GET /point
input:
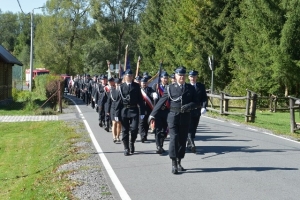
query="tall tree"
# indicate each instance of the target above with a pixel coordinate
(116, 22)
(255, 46)
(61, 35)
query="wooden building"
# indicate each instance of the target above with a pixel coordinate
(7, 61)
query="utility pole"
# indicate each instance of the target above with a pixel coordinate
(31, 48)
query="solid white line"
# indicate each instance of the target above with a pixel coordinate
(271, 134)
(115, 180)
(212, 118)
(252, 129)
(235, 124)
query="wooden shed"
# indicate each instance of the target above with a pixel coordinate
(7, 61)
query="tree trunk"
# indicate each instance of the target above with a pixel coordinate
(286, 91)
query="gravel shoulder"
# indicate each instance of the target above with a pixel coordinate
(89, 174)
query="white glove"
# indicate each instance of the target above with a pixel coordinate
(155, 96)
(96, 105)
(142, 116)
(203, 111)
(116, 119)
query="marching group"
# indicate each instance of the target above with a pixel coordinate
(130, 106)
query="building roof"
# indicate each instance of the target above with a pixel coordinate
(8, 57)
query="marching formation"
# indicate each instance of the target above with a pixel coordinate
(170, 107)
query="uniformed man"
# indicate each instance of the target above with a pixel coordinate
(87, 89)
(161, 125)
(94, 91)
(99, 99)
(196, 113)
(137, 79)
(149, 95)
(105, 102)
(172, 77)
(182, 97)
(130, 97)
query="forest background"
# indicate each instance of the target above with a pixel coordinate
(255, 43)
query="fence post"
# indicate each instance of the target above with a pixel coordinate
(221, 103)
(247, 106)
(253, 107)
(275, 103)
(292, 115)
(59, 97)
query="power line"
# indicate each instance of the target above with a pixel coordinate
(20, 6)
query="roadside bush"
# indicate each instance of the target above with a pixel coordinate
(46, 85)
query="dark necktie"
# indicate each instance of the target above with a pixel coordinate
(129, 87)
(181, 87)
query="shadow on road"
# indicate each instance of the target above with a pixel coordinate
(258, 169)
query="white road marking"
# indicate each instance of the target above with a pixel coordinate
(252, 129)
(115, 180)
(235, 124)
(213, 118)
(271, 134)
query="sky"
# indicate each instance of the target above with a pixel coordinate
(26, 5)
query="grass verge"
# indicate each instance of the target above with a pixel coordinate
(30, 153)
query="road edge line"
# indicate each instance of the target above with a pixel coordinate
(111, 173)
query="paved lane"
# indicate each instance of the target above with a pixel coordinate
(235, 163)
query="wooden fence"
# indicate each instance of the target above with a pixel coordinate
(250, 107)
(273, 104)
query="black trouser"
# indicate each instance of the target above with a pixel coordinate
(193, 125)
(87, 97)
(178, 129)
(161, 126)
(144, 127)
(129, 124)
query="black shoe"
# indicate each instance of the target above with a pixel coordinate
(131, 147)
(180, 168)
(143, 140)
(160, 150)
(193, 149)
(126, 152)
(174, 167)
(100, 124)
(107, 129)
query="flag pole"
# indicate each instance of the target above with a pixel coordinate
(138, 66)
(125, 63)
(108, 67)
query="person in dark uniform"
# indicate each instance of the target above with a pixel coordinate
(149, 95)
(105, 103)
(172, 77)
(112, 103)
(87, 89)
(81, 84)
(130, 97)
(99, 99)
(137, 79)
(183, 98)
(196, 113)
(94, 90)
(161, 124)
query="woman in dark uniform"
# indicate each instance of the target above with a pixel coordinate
(116, 125)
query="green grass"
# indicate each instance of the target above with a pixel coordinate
(30, 153)
(278, 123)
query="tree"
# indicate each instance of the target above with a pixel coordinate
(116, 22)
(256, 46)
(60, 36)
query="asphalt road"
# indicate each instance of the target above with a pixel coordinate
(234, 162)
